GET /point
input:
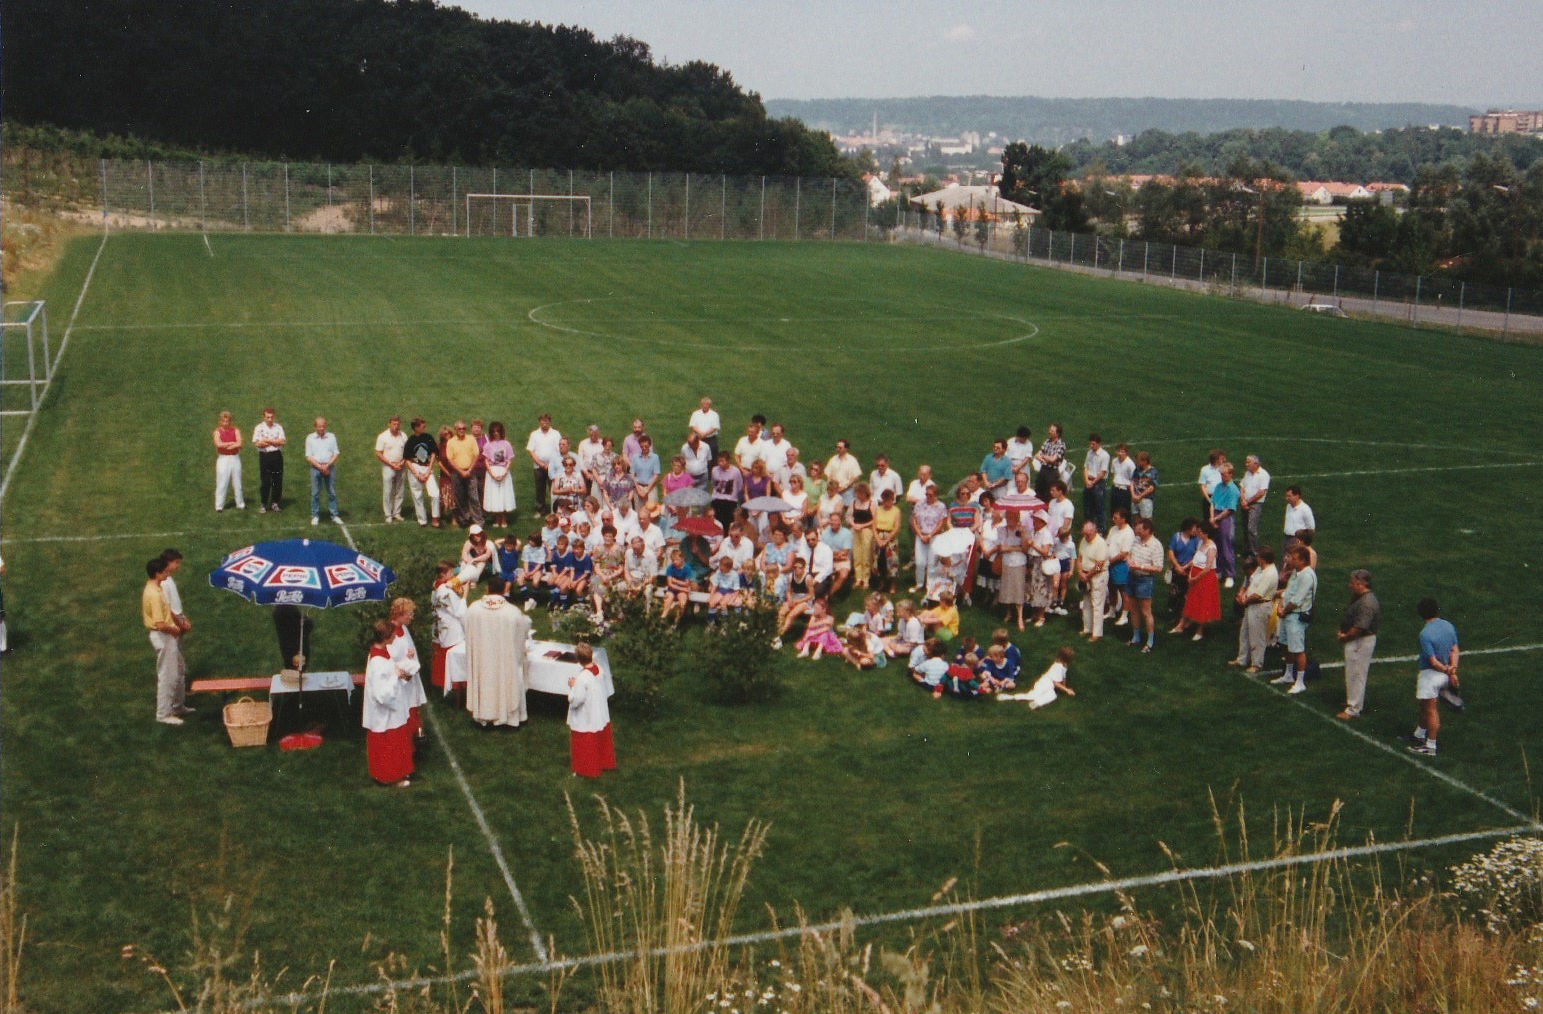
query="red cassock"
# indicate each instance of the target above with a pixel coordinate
(390, 754)
(389, 751)
(592, 752)
(437, 667)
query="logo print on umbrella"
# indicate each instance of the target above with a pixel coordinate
(293, 577)
(253, 568)
(341, 574)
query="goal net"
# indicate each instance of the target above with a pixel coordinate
(528, 215)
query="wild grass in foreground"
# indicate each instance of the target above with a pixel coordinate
(1331, 936)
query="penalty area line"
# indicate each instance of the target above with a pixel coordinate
(1098, 887)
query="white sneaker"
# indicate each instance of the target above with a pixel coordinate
(1227, 583)
(336, 520)
(1297, 688)
(169, 720)
(315, 520)
(776, 644)
(1124, 620)
(529, 605)
(1283, 680)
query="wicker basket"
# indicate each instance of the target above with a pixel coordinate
(247, 721)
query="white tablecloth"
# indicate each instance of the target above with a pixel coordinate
(314, 681)
(550, 675)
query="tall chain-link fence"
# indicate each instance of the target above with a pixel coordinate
(440, 200)
(1424, 299)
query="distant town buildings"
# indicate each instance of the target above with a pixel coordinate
(973, 203)
(1506, 121)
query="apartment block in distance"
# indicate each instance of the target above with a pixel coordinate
(1506, 121)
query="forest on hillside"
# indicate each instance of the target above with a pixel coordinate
(385, 80)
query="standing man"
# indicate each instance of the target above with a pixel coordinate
(420, 453)
(1256, 597)
(462, 454)
(699, 458)
(589, 454)
(1438, 672)
(706, 424)
(842, 471)
(1255, 488)
(1122, 473)
(227, 463)
(1143, 488)
(1095, 469)
(1296, 607)
(393, 470)
(1299, 517)
(751, 447)
(883, 477)
(775, 450)
(1020, 451)
(496, 662)
(268, 438)
(166, 639)
(321, 453)
(1093, 574)
(1358, 633)
(645, 476)
(542, 448)
(996, 468)
(1210, 475)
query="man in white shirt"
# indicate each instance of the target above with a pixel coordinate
(321, 453)
(1095, 470)
(751, 446)
(1210, 476)
(699, 458)
(775, 449)
(1121, 540)
(736, 547)
(1093, 575)
(706, 424)
(1122, 473)
(625, 520)
(653, 535)
(916, 492)
(268, 438)
(1020, 451)
(541, 446)
(883, 477)
(1062, 512)
(1299, 518)
(393, 474)
(842, 471)
(819, 560)
(590, 448)
(787, 467)
(1255, 487)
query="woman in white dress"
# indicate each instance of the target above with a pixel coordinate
(498, 485)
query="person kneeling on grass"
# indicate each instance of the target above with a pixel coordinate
(820, 635)
(590, 748)
(932, 670)
(1051, 682)
(942, 620)
(678, 587)
(725, 589)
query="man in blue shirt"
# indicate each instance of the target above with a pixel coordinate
(321, 453)
(645, 473)
(1181, 549)
(1438, 672)
(997, 467)
(839, 538)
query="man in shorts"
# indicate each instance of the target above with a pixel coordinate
(1438, 672)
(1146, 562)
(1296, 608)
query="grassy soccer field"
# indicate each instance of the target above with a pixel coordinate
(1414, 448)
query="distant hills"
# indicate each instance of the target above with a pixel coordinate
(1060, 121)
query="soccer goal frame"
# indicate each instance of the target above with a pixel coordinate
(528, 201)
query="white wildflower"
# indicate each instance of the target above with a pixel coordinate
(1139, 951)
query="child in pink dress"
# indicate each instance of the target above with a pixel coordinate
(820, 636)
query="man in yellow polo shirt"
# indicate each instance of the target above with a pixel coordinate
(166, 639)
(462, 450)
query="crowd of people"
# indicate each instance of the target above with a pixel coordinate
(719, 526)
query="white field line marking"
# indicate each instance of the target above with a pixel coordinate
(207, 246)
(546, 966)
(1276, 438)
(347, 537)
(238, 324)
(232, 532)
(1401, 753)
(64, 343)
(487, 833)
(1401, 471)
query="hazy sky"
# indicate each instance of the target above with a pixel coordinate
(1480, 52)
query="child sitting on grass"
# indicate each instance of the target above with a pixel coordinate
(966, 680)
(1010, 652)
(967, 646)
(942, 620)
(932, 669)
(856, 652)
(909, 632)
(820, 635)
(1051, 682)
(995, 670)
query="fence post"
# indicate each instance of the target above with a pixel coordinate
(1505, 327)
(455, 225)
(372, 200)
(246, 218)
(798, 196)
(1415, 316)
(1462, 292)
(412, 200)
(570, 202)
(32, 370)
(1071, 250)
(1299, 276)
(723, 207)
(688, 206)
(1232, 286)
(203, 201)
(150, 180)
(1119, 267)
(1173, 275)
(102, 162)
(611, 206)
(1146, 252)
(833, 208)
(650, 205)
(1200, 277)
(1376, 284)
(1095, 251)
(1264, 279)
(286, 197)
(865, 219)
(763, 208)
(1336, 283)
(329, 193)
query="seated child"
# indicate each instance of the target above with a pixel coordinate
(559, 572)
(995, 670)
(856, 652)
(678, 587)
(508, 553)
(942, 620)
(965, 679)
(528, 578)
(908, 631)
(967, 646)
(1010, 652)
(820, 635)
(933, 669)
(724, 589)
(550, 531)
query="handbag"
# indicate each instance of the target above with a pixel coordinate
(1051, 566)
(996, 565)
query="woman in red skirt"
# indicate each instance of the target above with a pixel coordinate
(589, 718)
(387, 713)
(1202, 603)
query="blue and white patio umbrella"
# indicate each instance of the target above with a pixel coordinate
(302, 572)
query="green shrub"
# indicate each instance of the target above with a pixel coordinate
(644, 650)
(415, 574)
(575, 625)
(736, 658)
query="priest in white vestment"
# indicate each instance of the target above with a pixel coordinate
(496, 635)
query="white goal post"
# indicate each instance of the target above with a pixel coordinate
(528, 202)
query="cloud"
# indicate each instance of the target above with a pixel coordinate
(959, 33)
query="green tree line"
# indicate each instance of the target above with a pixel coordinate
(386, 80)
